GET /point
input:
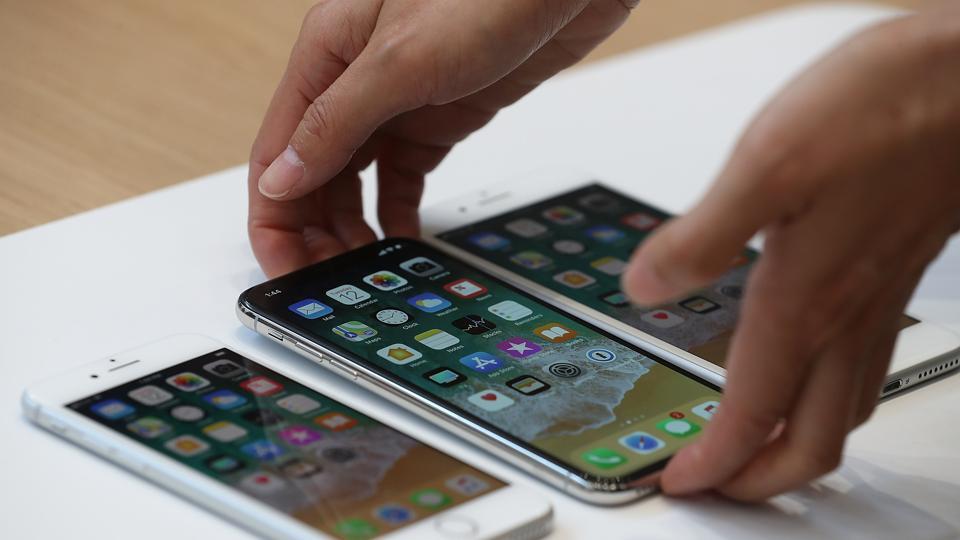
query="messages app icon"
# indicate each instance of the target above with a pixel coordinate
(429, 302)
(310, 309)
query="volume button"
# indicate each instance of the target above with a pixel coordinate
(314, 354)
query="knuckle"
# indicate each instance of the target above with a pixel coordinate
(317, 120)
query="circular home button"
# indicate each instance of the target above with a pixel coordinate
(456, 527)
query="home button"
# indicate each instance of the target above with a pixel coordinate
(456, 527)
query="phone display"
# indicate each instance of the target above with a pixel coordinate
(495, 355)
(288, 446)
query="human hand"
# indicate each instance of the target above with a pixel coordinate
(398, 82)
(853, 175)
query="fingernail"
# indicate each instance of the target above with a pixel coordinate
(282, 174)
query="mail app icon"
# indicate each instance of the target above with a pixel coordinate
(311, 309)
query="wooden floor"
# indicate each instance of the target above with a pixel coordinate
(102, 100)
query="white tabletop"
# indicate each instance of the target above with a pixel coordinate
(657, 123)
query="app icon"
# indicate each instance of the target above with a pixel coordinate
(731, 291)
(490, 400)
(385, 280)
(466, 484)
(262, 483)
(481, 362)
(393, 513)
(429, 302)
(299, 435)
(261, 386)
(568, 247)
(600, 202)
(399, 354)
(354, 331)
(519, 347)
(574, 279)
(489, 241)
(444, 376)
(615, 299)
(112, 409)
(224, 368)
(186, 445)
(263, 417)
(661, 318)
(510, 310)
(150, 395)
(604, 233)
(678, 427)
(355, 529)
(474, 325)
(526, 228)
(149, 427)
(707, 409)
(335, 421)
(465, 288)
(187, 413)
(224, 431)
(603, 458)
(528, 385)
(430, 498)
(436, 339)
(348, 294)
(563, 215)
(531, 259)
(310, 309)
(421, 267)
(564, 370)
(699, 305)
(224, 399)
(299, 469)
(610, 266)
(338, 454)
(187, 381)
(641, 442)
(640, 221)
(392, 316)
(263, 450)
(223, 464)
(601, 355)
(555, 333)
(298, 404)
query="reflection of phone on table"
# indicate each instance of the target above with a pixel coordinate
(271, 453)
(547, 391)
(571, 246)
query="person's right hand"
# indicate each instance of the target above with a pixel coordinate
(398, 82)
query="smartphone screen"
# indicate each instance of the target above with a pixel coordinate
(288, 446)
(497, 356)
(577, 244)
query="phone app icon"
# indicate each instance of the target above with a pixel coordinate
(299, 469)
(444, 377)
(262, 483)
(421, 267)
(466, 484)
(310, 309)
(261, 386)
(223, 464)
(574, 279)
(187, 381)
(526, 228)
(338, 454)
(399, 354)
(601, 355)
(430, 498)
(563, 215)
(662, 318)
(605, 234)
(335, 421)
(187, 413)
(604, 458)
(392, 316)
(707, 409)
(393, 513)
(149, 427)
(640, 221)
(564, 370)
(531, 259)
(474, 325)
(510, 310)
(519, 347)
(610, 266)
(224, 431)
(150, 395)
(263, 417)
(555, 332)
(113, 409)
(599, 202)
(465, 288)
(186, 445)
(731, 291)
(355, 529)
(528, 385)
(224, 368)
(299, 435)
(678, 427)
(568, 247)
(225, 399)
(385, 280)
(436, 339)
(429, 302)
(490, 400)
(699, 305)
(615, 299)
(348, 294)
(298, 404)
(262, 450)
(354, 331)
(481, 362)
(641, 442)
(489, 241)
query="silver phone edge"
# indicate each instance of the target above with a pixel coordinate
(924, 372)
